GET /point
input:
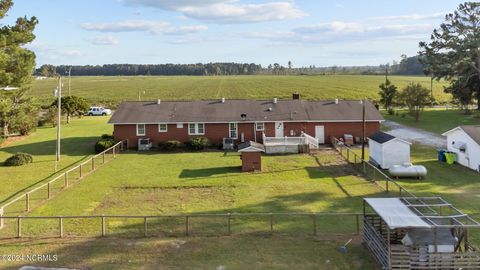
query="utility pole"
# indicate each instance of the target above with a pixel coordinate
(386, 73)
(431, 85)
(59, 119)
(363, 128)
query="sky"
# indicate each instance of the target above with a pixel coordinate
(306, 32)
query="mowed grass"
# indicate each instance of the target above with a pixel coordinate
(437, 121)
(112, 90)
(78, 139)
(231, 252)
(208, 182)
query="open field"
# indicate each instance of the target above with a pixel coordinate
(436, 121)
(78, 139)
(112, 90)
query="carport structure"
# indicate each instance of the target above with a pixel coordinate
(419, 233)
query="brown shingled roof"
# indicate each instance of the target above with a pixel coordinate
(473, 131)
(231, 111)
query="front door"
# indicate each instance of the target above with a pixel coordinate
(278, 129)
(320, 134)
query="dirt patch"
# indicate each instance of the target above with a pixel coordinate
(12, 139)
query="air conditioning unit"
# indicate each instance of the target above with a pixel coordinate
(228, 144)
(144, 144)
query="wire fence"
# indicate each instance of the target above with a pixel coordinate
(218, 224)
(36, 196)
(371, 172)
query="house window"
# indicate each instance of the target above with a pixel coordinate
(179, 125)
(196, 129)
(260, 126)
(140, 129)
(162, 127)
(232, 130)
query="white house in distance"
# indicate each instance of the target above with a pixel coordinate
(387, 150)
(465, 142)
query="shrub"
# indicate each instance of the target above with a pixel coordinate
(169, 145)
(402, 115)
(198, 143)
(107, 136)
(19, 159)
(391, 111)
(104, 144)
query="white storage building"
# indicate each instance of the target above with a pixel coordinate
(465, 142)
(387, 150)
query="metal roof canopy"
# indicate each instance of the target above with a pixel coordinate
(419, 212)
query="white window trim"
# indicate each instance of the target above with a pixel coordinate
(144, 129)
(256, 127)
(196, 129)
(230, 130)
(166, 127)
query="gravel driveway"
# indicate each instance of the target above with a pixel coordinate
(415, 135)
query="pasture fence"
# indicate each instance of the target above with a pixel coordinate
(212, 224)
(371, 172)
(26, 201)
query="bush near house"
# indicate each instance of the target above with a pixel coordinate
(169, 145)
(106, 141)
(198, 143)
(18, 159)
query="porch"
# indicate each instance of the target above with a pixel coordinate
(284, 145)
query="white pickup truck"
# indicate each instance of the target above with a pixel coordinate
(98, 111)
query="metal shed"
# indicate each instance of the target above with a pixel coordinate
(387, 150)
(418, 233)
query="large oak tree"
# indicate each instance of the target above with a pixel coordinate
(453, 52)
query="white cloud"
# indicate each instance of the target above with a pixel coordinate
(437, 15)
(226, 11)
(104, 40)
(153, 27)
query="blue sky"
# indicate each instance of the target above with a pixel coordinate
(307, 32)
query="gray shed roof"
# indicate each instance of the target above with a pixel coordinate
(250, 146)
(473, 131)
(231, 111)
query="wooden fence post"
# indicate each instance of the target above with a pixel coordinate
(314, 219)
(66, 179)
(1, 218)
(49, 190)
(186, 226)
(113, 151)
(80, 170)
(27, 201)
(60, 223)
(271, 223)
(144, 226)
(229, 217)
(103, 226)
(348, 156)
(386, 184)
(93, 164)
(400, 191)
(103, 158)
(19, 227)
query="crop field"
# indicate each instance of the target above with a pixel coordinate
(112, 90)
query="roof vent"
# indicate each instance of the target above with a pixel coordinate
(296, 95)
(275, 100)
(243, 116)
(270, 109)
(223, 100)
(336, 101)
(159, 101)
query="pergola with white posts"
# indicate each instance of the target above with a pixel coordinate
(419, 233)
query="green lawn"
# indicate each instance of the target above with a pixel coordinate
(111, 90)
(437, 121)
(78, 139)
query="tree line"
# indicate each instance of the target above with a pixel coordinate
(198, 69)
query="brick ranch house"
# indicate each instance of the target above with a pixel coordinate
(242, 120)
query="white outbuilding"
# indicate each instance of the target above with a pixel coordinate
(465, 142)
(387, 150)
